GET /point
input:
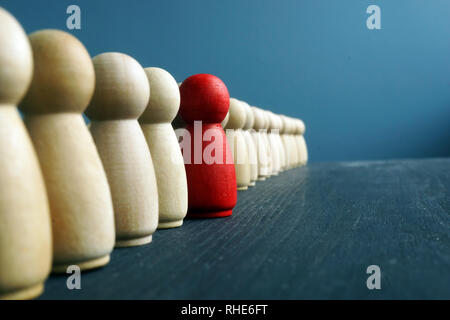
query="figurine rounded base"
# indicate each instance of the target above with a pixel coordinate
(25, 293)
(85, 265)
(170, 224)
(133, 242)
(252, 184)
(261, 178)
(242, 188)
(213, 214)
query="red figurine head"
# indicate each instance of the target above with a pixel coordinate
(204, 97)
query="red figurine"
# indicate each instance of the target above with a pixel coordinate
(209, 163)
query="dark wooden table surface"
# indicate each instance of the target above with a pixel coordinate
(309, 233)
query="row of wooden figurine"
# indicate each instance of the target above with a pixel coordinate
(68, 196)
(262, 143)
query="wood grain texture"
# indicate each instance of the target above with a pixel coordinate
(308, 233)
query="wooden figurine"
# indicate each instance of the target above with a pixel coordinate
(25, 231)
(301, 143)
(78, 192)
(278, 126)
(295, 152)
(167, 159)
(265, 137)
(238, 145)
(121, 95)
(275, 154)
(252, 152)
(286, 141)
(260, 143)
(209, 168)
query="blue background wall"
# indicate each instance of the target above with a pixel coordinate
(363, 94)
